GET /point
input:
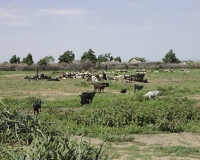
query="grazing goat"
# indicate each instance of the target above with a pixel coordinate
(86, 98)
(106, 84)
(84, 101)
(138, 87)
(37, 107)
(152, 94)
(123, 91)
(99, 86)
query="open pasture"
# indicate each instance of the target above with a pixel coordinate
(121, 119)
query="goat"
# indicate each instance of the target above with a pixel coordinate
(153, 94)
(99, 86)
(123, 91)
(37, 107)
(138, 87)
(85, 97)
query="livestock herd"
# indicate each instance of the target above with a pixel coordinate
(98, 82)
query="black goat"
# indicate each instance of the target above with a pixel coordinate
(138, 87)
(84, 101)
(37, 107)
(86, 98)
(123, 91)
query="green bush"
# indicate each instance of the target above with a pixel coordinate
(36, 139)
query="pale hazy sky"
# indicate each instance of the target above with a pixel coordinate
(125, 28)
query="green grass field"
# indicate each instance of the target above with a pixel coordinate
(114, 117)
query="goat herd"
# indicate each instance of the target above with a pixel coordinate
(85, 97)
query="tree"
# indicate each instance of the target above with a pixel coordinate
(28, 60)
(46, 60)
(118, 59)
(170, 57)
(89, 55)
(67, 57)
(14, 59)
(104, 58)
(111, 58)
(138, 59)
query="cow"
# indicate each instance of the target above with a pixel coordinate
(86, 97)
(137, 87)
(37, 107)
(123, 91)
(99, 86)
(154, 93)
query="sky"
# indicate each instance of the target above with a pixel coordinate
(125, 28)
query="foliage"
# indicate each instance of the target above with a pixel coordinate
(118, 59)
(105, 58)
(36, 139)
(170, 57)
(89, 56)
(67, 57)
(138, 59)
(14, 59)
(28, 60)
(111, 114)
(181, 151)
(170, 117)
(46, 60)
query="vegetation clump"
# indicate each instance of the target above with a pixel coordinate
(28, 137)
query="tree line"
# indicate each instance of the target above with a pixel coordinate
(69, 57)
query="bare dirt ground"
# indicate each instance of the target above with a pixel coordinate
(146, 142)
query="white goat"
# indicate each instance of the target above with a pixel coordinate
(94, 79)
(152, 94)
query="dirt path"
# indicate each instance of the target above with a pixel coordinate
(146, 142)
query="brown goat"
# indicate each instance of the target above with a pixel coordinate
(98, 86)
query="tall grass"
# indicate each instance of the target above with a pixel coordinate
(28, 137)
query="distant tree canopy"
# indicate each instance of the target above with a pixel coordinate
(90, 56)
(67, 57)
(105, 58)
(46, 60)
(118, 59)
(14, 59)
(28, 60)
(170, 57)
(138, 59)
